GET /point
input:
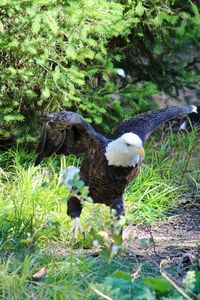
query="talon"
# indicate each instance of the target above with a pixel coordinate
(77, 228)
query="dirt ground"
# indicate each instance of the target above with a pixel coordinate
(173, 243)
(176, 239)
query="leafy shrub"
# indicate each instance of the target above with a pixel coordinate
(120, 286)
(65, 55)
(164, 45)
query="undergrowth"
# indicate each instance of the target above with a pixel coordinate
(33, 225)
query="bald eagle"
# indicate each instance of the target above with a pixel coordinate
(109, 164)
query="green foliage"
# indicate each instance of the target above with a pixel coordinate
(65, 55)
(150, 196)
(33, 227)
(120, 286)
(55, 56)
(170, 169)
(79, 188)
(164, 44)
(68, 277)
(33, 204)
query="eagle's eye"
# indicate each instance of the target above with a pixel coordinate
(128, 145)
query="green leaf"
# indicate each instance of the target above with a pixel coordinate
(181, 30)
(8, 244)
(50, 20)
(140, 9)
(12, 70)
(159, 19)
(159, 284)
(56, 73)
(10, 118)
(98, 119)
(121, 274)
(36, 24)
(46, 92)
(189, 281)
(195, 9)
(80, 184)
(1, 27)
(197, 282)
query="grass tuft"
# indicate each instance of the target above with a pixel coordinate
(33, 220)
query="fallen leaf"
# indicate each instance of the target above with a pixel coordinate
(41, 273)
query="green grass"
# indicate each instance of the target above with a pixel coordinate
(69, 275)
(33, 220)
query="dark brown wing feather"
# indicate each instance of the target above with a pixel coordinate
(144, 124)
(64, 133)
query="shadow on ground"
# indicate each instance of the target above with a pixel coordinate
(176, 240)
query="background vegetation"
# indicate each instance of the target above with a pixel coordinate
(38, 260)
(103, 59)
(57, 55)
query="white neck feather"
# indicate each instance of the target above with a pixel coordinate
(118, 155)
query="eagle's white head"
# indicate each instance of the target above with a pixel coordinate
(126, 151)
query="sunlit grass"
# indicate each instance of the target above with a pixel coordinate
(33, 220)
(150, 196)
(33, 205)
(69, 275)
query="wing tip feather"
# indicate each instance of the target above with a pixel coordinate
(194, 109)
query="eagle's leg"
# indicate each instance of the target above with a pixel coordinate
(119, 207)
(119, 212)
(74, 209)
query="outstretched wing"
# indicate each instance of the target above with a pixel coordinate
(191, 120)
(144, 124)
(64, 133)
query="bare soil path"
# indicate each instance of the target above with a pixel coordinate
(176, 239)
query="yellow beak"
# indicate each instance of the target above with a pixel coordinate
(139, 151)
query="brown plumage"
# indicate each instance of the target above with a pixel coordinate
(68, 133)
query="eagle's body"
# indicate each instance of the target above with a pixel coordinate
(105, 182)
(108, 164)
